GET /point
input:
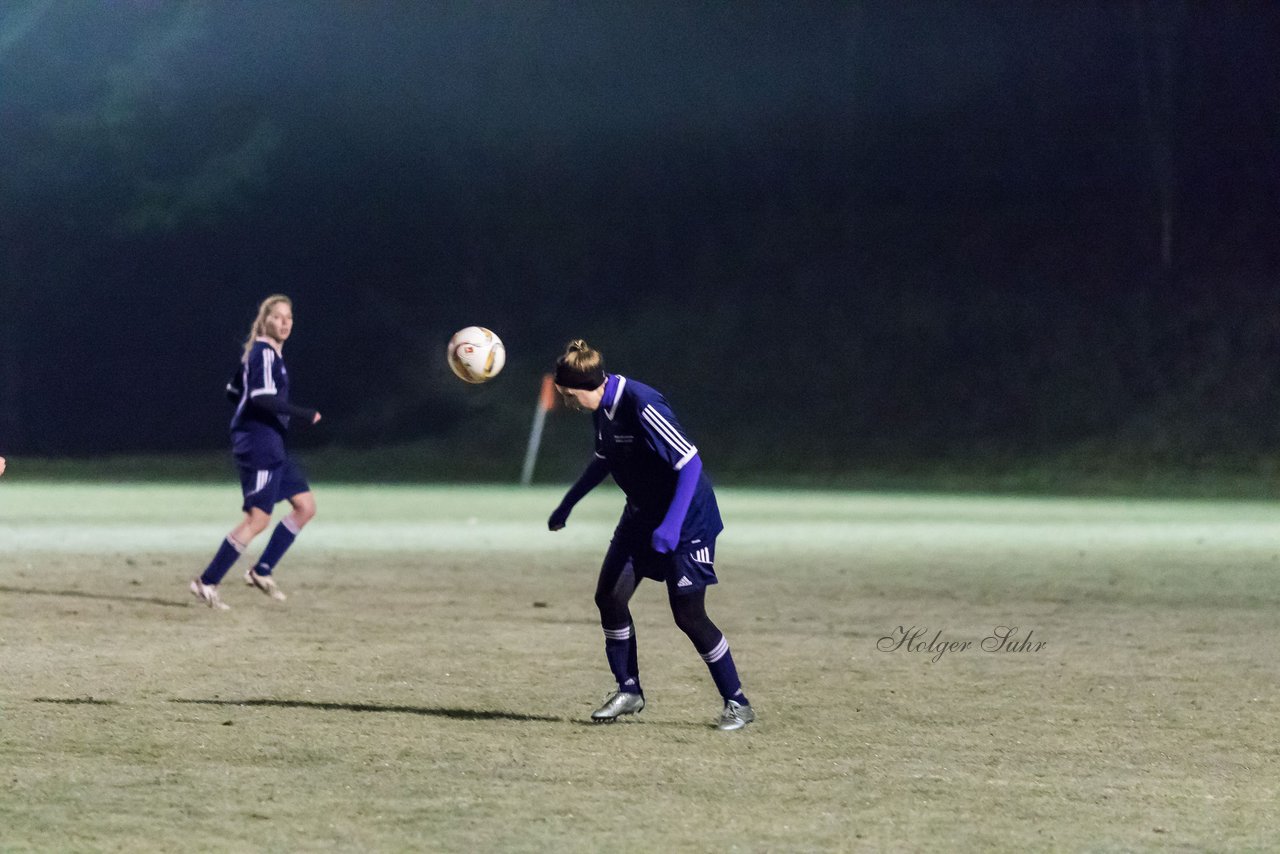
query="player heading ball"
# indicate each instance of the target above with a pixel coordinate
(667, 531)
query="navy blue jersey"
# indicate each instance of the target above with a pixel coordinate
(257, 436)
(639, 438)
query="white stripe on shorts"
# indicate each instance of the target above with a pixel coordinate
(264, 477)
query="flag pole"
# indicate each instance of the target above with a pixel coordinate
(546, 401)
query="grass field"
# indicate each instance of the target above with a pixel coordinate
(426, 685)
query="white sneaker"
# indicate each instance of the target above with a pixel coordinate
(265, 583)
(208, 594)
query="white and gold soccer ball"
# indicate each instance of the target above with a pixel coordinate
(476, 354)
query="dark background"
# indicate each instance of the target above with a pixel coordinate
(841, 236)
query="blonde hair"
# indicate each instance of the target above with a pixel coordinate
(259, 327)
(579, 356)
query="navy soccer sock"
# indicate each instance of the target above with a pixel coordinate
(620, 649)
(281, 538)
(226, 555)
(720, 662)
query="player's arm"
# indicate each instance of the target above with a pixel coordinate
(667, 535)
(235, 385)
(665, 436)
(262, 388)
(269, 403)
(590, 478)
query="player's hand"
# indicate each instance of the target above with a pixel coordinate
(558, 517)
(316, 419)
(665, 539)
(1, 465)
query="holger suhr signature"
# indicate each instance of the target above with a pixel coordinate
(917, 639)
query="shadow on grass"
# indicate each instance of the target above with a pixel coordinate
(74, 701)
(80, 594)
(430, 711)
(587, 723)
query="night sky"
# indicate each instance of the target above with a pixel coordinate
(833, 232)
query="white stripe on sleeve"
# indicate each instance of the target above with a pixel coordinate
(268, 368)
(268, 381)
(684, 461)
(668, 431)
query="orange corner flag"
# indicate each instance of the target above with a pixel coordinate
(548, 398)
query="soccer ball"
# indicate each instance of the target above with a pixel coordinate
(476, 354)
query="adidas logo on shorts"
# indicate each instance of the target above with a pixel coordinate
(684, 582)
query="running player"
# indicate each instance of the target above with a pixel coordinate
(260, 390)
(667, 531)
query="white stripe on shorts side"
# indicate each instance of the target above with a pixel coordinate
(264, 477)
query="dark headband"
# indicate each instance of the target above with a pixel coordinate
(567, 377)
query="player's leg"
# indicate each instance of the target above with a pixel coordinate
(255, 521)
(686, 591)
(237, 540)
(304, 509)
(259, 487)
(614, 587)
(294, 487)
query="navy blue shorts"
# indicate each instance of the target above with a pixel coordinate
(264, 488)
(686, 571)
